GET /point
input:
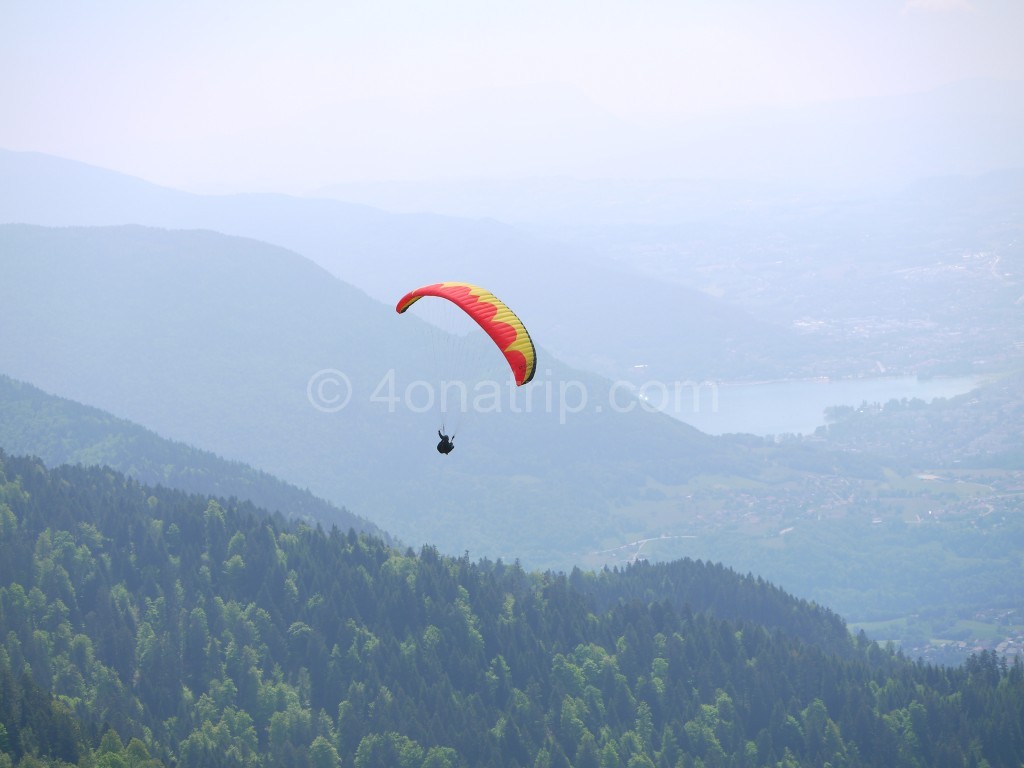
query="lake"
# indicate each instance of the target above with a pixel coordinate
(795, 406)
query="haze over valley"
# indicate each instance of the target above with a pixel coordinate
(759, 501)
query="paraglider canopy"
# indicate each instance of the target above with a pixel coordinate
(490, 313)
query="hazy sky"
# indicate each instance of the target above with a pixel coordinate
(294, 95)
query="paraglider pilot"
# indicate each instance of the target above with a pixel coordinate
(447, 444)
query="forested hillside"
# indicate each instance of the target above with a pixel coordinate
(61, 431)
(145, 626)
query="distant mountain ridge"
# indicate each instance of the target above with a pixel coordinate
(582, 303)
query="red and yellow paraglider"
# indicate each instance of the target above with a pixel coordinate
(490, 313)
